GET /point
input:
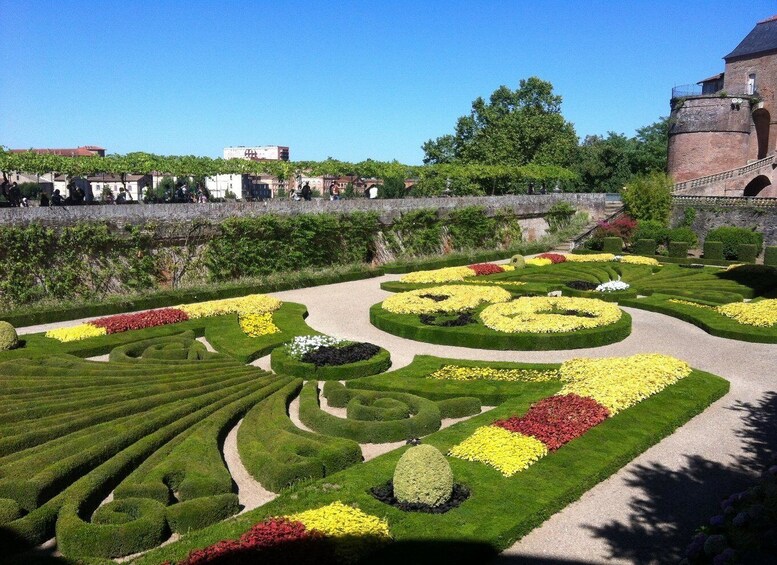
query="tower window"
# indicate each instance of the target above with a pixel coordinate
(751, 83)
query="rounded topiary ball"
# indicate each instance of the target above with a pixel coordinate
(518, 261)
(423, 476)
(8, 337)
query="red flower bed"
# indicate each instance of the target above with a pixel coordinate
(485, 268)
(140, 320)
(554, 257)
(275, 540)
(557, 419)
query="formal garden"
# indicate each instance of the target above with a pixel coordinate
(115, 429)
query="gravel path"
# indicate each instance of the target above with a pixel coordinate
(647, 511)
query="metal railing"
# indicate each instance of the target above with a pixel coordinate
(724, 175)
(727, 201)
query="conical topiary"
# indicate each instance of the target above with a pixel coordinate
(423, 476)
(518, 261)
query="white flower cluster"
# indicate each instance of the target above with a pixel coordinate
(612, 286)
(304, 343)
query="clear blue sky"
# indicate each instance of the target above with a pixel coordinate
(353, 80)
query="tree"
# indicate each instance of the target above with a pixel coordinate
(649, 197)
(393, 187)
(514, 127)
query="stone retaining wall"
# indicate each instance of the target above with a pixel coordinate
(526, 206)
(710, 216)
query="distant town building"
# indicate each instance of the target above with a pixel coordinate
(83, 151)
(727, 123)
(257, 153)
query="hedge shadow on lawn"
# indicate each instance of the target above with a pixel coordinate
(480, 337)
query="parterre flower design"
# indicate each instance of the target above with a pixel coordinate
(549, 314)
(446, 299)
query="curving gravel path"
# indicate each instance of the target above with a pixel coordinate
(646, 512)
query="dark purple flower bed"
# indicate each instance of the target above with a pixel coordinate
(446, 321)
(582, 285)
(385, 493)
(332, 355)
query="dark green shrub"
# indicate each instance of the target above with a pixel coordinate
(282, 363)
(8, 337)
(645, 247)
(770, 256)
(683, 234)
(732, 236)
(713, 250)
(377, 409)
(747, 252)
(651, 229)
(9, 510)
(200, 512)
(144, 527)
(459, 407)
(678, 249)
(423, 476)
(649, 197)
(612, 245)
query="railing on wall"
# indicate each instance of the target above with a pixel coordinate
(727, 201)
(730, 174)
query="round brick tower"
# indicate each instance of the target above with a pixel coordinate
(708, 134)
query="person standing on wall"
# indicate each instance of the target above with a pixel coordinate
(306, 192)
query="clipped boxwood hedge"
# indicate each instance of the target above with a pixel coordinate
(713, 250)
(197, 513)
(747, 252)
(770, 256)
(424, 418)
(678, 249)
(612, 245)
(282, 363)
(645, 247)
(480, 337)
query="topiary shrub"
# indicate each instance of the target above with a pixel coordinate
(770, 256)
(518, 261)
(9, 510)
(733, 236)
(423, 476)
(678, 249)
(747, 252)
(657, 231)
(645, 247)
(683, 234)
(713, 250)
(612, 245)
(8, 337)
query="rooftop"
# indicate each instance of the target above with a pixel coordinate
(761, 39)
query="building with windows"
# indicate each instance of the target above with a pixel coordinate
(723, 130)
(257, 153)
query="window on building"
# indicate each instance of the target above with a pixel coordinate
(751, 83)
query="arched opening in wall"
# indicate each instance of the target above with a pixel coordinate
(756, 185)
(761, 119)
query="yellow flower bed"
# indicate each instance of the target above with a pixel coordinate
(460, 297)
(76, 333)
(593, 258)
(762, 313)
(507, 267)
(351, 528)
(690, 303)
(458, 373)
(620, 382)
(507, 452)
(256, 325)
(251, 304)
(639, 260)
(448, 274)
(547, 314)
(539, 262)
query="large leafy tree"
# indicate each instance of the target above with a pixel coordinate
(514, 127)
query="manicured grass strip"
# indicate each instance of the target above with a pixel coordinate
(500, 509)
(481, 337)
(710, 321)
(283, 363)
(414, 379)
